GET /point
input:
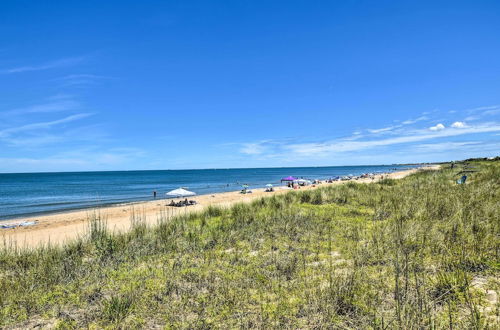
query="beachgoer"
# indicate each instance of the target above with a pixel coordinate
(154, 194)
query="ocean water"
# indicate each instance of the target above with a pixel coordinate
(27, 194)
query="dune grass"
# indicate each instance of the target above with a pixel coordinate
(420, 252)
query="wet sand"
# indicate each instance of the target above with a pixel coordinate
(59, 228)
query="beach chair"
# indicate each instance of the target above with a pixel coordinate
(462, 179)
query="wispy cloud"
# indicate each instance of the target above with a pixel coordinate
(60, 63)
(455, 150)
(384, 129)
(45, 107)
(57, 136)
(291, 151)
(416, 136)
(485, 108)
(481, 112)
(32, 141)
(262, 147)
(55, 121)
(252, 148)
(390, 129)
(88, 158)
(445, 146)
(413, 121)
(80, 79)
(41, 125)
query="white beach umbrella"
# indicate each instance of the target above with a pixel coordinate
(180, 192)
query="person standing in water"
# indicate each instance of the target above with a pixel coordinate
(154, 193)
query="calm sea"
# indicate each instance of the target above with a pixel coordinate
(29, 194)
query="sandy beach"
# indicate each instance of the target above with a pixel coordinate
(59, 228)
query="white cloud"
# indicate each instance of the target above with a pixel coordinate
(403, 133)
(42, 125)
(413, 121)
(64, 62)
(445, 146)
(385, 129)
(34, 126)
(79, 159)
(438, 127)
(81, 76)
(481, 109)
(324, 149)
(391, 129)
(252, 148)
(80, 80)
(491, 112)
(36, 139)
(478, 113)
(266, 148)
(48, 107)
(458, 124)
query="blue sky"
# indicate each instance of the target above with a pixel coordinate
(119, 85)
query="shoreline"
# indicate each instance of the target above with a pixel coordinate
(61, 227)
(207, 190)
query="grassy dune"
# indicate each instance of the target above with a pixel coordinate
(418, 252)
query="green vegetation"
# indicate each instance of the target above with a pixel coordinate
(421, 252)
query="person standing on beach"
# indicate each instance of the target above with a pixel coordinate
(154, 193)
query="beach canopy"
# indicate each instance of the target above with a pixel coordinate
(289, 178)
(269, 185)
(180, 193)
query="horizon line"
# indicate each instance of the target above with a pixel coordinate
(224, 168)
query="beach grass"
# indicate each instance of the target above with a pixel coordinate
(416, 253)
